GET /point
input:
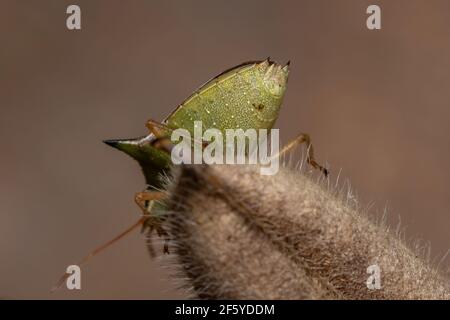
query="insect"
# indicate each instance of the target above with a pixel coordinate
(248, 96)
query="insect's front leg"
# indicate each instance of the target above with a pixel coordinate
(146, 201)
(161, 133)
(143, 199)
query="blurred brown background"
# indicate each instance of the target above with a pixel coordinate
(375, 102)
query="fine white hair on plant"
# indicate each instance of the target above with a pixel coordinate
(240, 235)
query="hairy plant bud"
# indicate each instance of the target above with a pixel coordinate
(242, 235)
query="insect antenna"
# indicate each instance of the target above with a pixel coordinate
(98, 250)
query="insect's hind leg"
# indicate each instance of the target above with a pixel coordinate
(304, 138)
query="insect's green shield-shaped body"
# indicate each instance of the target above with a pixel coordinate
(248, 96)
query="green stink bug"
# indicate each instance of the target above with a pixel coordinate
(248, 96)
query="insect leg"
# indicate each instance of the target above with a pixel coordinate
(157, 128)
(304, 138)
(161, 132)
(145, 201)
(162, 142)
(142, 197)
